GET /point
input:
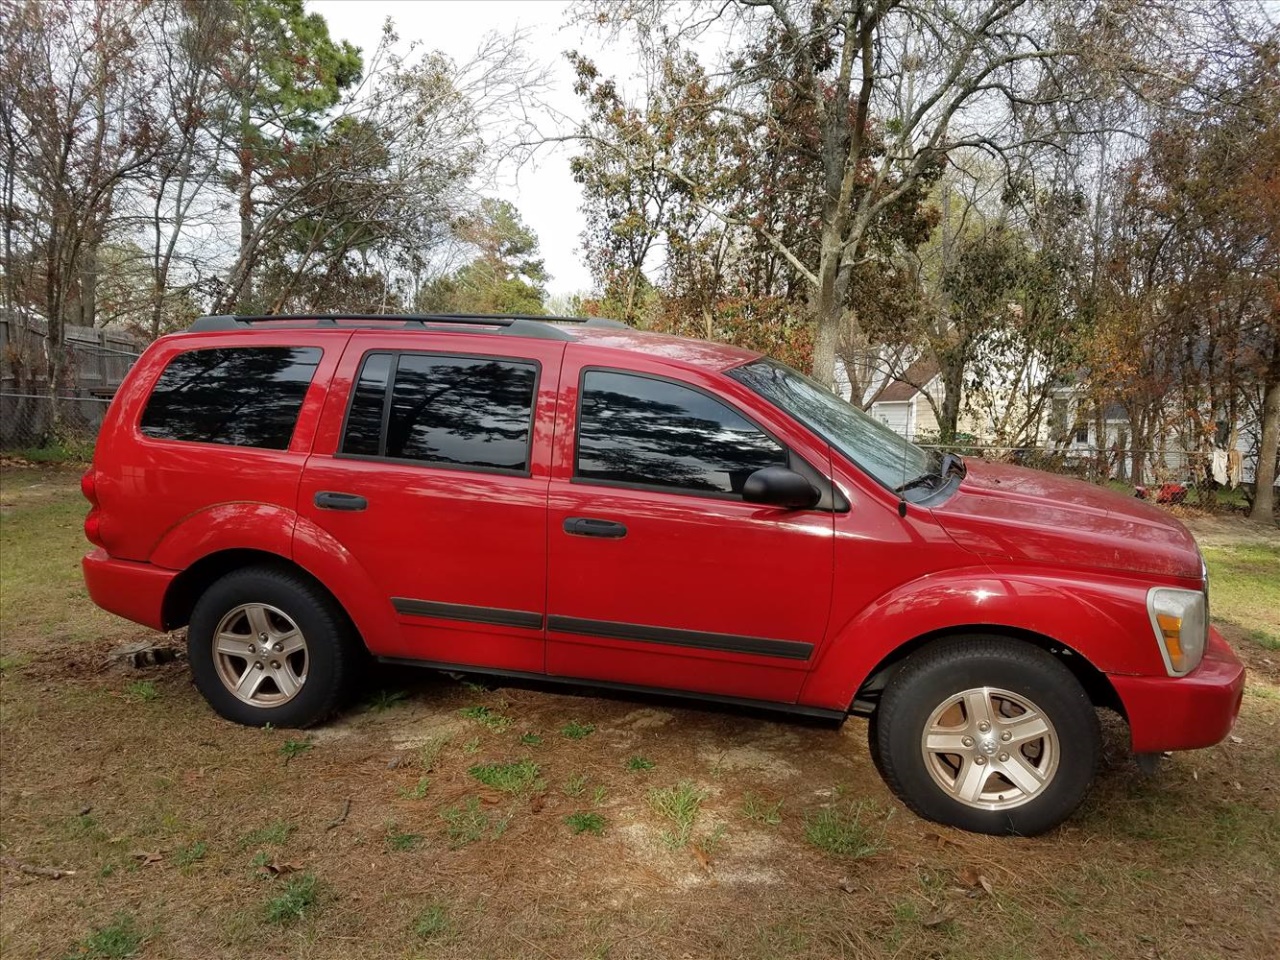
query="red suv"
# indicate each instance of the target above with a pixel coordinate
(576, 500)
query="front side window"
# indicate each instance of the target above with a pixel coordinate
(240, 396)
(469, 412)
(894, 461)
(638, 431)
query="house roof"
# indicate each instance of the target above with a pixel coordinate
(904, 387)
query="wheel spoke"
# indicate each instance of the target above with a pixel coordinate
(286, 682)
(977, 707)
(232, 645)
(249, 682)
(291, 641)
(942, 740)
(259, 623)
(970, 781)
(1021, 773)
(1025, 727)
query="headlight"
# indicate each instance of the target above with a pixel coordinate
(1181, 624)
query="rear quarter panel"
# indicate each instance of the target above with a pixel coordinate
(170, 502)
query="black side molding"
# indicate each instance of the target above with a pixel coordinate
(730, 643)
(469, 614)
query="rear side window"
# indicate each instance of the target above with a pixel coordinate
(241, 396)
(639, 431)
(469, 412)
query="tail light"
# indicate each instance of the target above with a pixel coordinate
(89, 487)
(93, 522)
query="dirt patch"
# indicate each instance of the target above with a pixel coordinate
(191, 827)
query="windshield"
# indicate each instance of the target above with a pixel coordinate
(870, 444)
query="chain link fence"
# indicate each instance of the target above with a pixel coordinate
(34, 421)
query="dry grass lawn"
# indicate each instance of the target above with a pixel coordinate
(439, 818)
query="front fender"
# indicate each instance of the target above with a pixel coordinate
(1104, 619)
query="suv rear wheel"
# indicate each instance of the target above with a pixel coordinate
(269, 646)
(987, 734)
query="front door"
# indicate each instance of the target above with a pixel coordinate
(660, 574)
(435, 480)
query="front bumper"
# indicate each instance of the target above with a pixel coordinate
(1184, 713)
(131, 590)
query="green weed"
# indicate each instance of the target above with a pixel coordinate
(386, 699)
(486, 717)
(142, 691)
(680, 805)
(117, 940)
(431, 922)
(508, 777)
(194, 853)
(640, 763)
(853, 830)
(294, 748)
(299, 897)
(574, 730)
(466, 823)
(583, 822)
(755, 807)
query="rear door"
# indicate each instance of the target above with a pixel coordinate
(432, 470)
(660, 574)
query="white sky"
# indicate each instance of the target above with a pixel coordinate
(544, 193)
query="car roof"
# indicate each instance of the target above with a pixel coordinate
(593, 332)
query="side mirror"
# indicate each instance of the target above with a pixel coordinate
(780, 487)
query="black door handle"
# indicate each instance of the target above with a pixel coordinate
(590, 527)
(327, 500)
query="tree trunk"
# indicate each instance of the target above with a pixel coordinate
(1265, 475)
(952, 373)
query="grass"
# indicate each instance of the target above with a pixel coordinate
(1244, 588)
(755, 807)
(386, 699)
(486, 717)
(640, 763)
(294, 748)
(576, 785)
(678, 804)
(275, 835)
(513, 777)
(72, 452)
(418, 790)
(300, 896)
(431, 923)
(402, 842)
(585, 822)
(116, 941)
(530, 740)
(429, 752)
(191, 854)
(851, 830)
(466, 822)
(573, 730)
(142, 691)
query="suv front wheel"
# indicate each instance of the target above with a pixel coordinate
(267, 645)
(987, 734)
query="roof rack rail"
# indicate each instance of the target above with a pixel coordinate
(512, 324)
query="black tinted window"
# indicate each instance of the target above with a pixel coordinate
(364, 421)
(247, 397)
(460, 411)
(636, 430)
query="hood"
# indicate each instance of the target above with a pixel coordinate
(1015, 513)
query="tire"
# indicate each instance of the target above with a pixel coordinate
(307, 664)
(1023, 695)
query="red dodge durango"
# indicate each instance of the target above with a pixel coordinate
(567, 499)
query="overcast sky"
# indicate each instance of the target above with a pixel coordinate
(545, 194)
